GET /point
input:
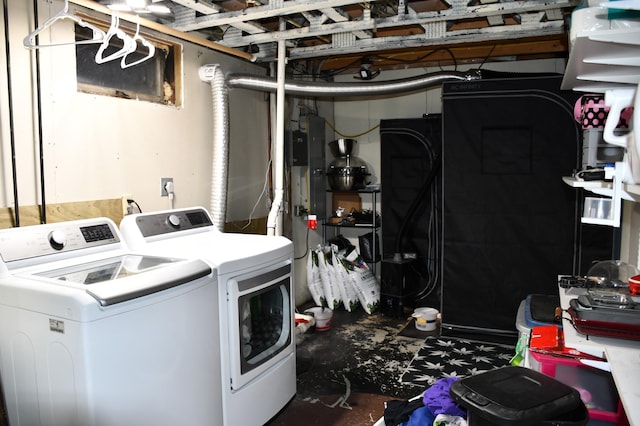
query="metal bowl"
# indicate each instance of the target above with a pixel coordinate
(347, 178)
(342, 147)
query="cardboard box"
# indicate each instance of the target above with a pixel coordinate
(347, 200)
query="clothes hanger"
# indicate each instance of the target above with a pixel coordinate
(138, 38)
(128, 44)
(30, 40)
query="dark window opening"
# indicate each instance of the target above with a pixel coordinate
(152, 80)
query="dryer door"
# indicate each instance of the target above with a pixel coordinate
(260, 323)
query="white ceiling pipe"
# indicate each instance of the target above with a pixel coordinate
(274, 220)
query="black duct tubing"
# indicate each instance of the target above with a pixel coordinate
(10, 98)
(325, 89)
(437, 163)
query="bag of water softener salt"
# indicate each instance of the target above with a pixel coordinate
(331, 290)
(314, 282)
(364, 282)
(347, 292)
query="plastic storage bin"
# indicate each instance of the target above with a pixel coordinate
(518, 396)
(524, 332)
(539, 309)
(598, 208)
(595, 386)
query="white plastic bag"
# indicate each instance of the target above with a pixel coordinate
(364, 282)
(331, 290)
(314, 282)
(347, 292)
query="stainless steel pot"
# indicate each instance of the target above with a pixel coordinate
(347, 178)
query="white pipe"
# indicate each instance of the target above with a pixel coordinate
(275, 218)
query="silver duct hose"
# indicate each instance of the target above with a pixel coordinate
(220, 154)
(219, 92)
(325, 89)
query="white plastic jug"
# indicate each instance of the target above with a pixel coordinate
(426, 318)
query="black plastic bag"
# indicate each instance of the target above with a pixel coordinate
(368, 252)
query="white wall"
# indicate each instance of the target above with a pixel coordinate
(100, 147)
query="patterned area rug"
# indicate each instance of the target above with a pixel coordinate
(450, 357)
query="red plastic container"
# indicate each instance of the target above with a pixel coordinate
(595, 386)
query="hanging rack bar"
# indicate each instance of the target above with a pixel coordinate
(166, 30)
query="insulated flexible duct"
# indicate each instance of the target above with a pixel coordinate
(213, 75)
(220, 154)
(324, 89)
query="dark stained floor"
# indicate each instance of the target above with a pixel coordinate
(346, 374)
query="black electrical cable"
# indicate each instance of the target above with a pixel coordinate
(10, 99)
(43, 201)
(306, 250)
(130, 201)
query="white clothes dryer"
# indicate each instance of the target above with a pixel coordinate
(257, 313)
(91, 334)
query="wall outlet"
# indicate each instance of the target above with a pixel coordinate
(126, 207)
(163, 184)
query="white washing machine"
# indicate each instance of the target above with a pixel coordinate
(91, 334)
(257, 316)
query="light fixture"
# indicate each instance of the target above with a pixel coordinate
(118, 5)
(140, 7)
(159, 8)
(365, 73)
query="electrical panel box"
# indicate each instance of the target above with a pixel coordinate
(308, 150)
(297, 148)
(317, 177)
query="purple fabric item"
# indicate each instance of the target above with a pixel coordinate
(439, 401)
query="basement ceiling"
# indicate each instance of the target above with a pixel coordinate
(335, 36)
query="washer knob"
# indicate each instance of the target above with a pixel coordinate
(174, 220)
(57, 239)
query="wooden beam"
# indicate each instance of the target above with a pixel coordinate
(92, 5)
(30, 215)
(535, 47)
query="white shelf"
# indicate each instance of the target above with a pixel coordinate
(623, 4)
(599, 187)
(605, 188)
(614, 189)
(603, 60)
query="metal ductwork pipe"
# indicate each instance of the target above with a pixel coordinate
(213, 75)
(220, 155)
(325, 89)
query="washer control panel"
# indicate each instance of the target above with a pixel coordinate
(41, 240)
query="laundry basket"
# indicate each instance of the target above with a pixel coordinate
(517, 396)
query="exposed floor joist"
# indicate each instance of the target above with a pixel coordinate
(340, 31)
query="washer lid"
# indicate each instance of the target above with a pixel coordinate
(118, 279)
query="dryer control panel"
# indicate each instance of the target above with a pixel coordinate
(168, 222)
(41, 240)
